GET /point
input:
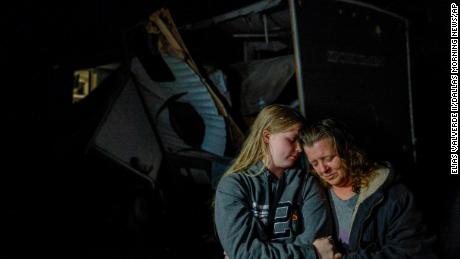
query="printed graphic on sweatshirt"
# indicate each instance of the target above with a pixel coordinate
(281, 225)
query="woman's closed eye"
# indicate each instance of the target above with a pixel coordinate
(329, 158)
(292, 140)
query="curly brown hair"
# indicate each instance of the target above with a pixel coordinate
(354, 159)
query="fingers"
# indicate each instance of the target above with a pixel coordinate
(324, 240)
(338, 256)
(326, 237)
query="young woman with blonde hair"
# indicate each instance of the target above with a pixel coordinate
(266, 206)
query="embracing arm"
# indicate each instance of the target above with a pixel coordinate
(241, 234)
(317, 221)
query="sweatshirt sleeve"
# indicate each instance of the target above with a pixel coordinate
(241, 234)
(316, 217)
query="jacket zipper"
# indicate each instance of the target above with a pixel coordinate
(364, 221)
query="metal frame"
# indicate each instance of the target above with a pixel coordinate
(409, 79)
(300, 83)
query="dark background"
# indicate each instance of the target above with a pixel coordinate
(51, 208)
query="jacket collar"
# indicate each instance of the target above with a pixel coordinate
(367, 199)
(382, 174)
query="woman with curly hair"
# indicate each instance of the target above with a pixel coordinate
(374, 214)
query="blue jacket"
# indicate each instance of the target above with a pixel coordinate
(254, 214)
(386, 223)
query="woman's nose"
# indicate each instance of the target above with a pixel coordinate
(322, 168)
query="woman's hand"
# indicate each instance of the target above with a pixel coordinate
(325, 248)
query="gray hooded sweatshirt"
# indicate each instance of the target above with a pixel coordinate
(260, 216)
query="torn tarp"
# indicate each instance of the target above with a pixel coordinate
(263, 81)
(191, 88)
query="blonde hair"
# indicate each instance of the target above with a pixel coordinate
(275, 118)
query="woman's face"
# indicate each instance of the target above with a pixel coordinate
(284, 148)
(326, 162)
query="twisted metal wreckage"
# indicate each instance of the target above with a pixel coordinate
(188, 117)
